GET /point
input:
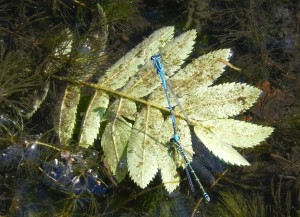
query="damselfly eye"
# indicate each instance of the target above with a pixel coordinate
(175, 140)
(156, 57)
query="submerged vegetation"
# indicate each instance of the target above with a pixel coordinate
(53, 52)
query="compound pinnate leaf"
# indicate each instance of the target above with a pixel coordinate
(145, 148)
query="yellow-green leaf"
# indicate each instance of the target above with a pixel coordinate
(220, 148)
(142, 147)
(177, 50)
(174, 54)
(116, 134)
(67, 113)
(93, 118)
(167, 164)
(168, 167)
(117, 75)
(200, 73)
(224, 100)
(146, 147)
(183, 132)
(238, 133)
(220, 135)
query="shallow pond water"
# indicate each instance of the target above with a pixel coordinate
(52, 53)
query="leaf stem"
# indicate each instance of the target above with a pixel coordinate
(49, 146)
(120, 94)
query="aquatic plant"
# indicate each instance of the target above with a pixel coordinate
(16, 82)
(197, 13)
(279, 202)
(135, 133)
(261, 31)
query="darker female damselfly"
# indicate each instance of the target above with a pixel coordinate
(156, 59)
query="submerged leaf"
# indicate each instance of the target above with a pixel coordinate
(93, 118)
(38, 99)
(68, 112)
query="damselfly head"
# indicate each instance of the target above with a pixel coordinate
(156, 57)
(175, 138)
(206, 197)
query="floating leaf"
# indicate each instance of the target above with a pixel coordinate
(116, 135)
(220, 148)
(220, 135)
(200, 73)
(145, 81)
(167, 164)
(183, 131)
(219, 101)
(114, 140)
(91, 122)
(177, 50)
(238, 133)
(68, 112)
(145, 148)
(142, 147)
(117, 75)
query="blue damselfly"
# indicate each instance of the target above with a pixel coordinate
(156, 59)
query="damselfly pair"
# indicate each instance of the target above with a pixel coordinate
(156, 59)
